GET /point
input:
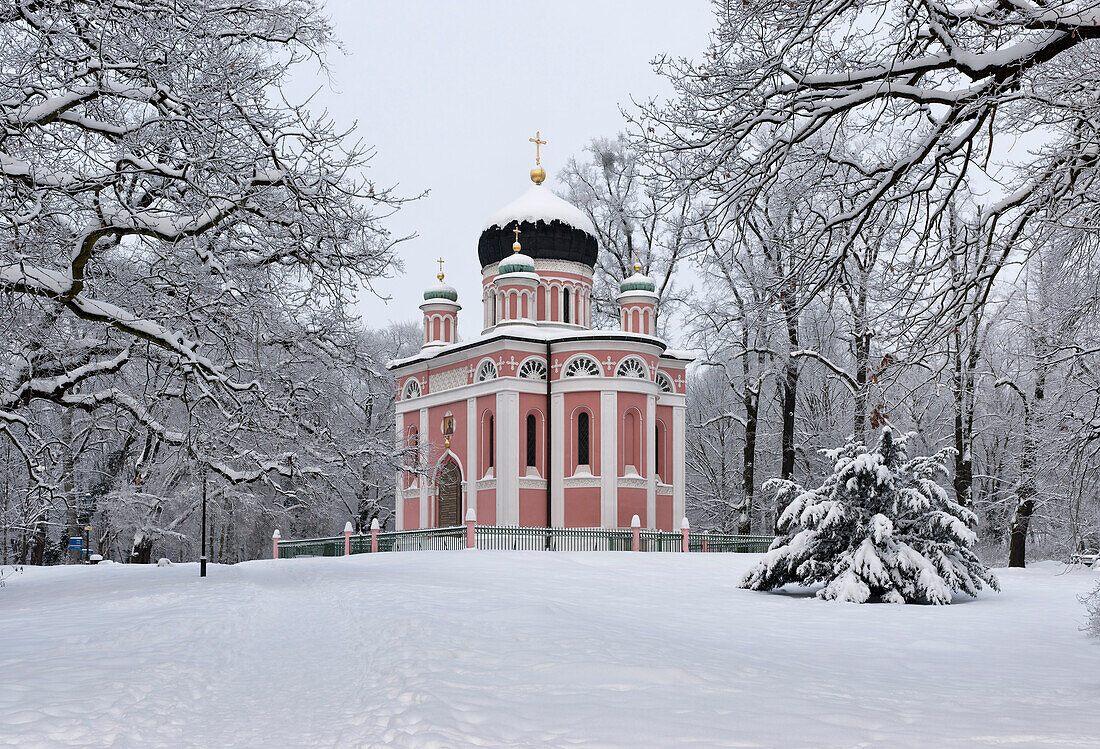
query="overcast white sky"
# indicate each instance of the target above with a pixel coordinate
(449, 93)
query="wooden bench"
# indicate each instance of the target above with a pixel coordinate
(1089, 558)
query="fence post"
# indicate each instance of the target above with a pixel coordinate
(684, 535)
(374, 536)
(636, 529)
(347, 538)
(275, 544)
(471, 535)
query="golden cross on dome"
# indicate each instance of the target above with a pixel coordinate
(440, 274)
(515, 245)
(637, 262)
(537, 140)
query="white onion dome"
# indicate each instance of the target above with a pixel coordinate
(637, 282)
(517, 262)
(441, 291)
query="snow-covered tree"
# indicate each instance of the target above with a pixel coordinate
(880, 527)
(1092, 603)
(633, 223)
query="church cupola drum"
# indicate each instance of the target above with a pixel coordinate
(541, 420)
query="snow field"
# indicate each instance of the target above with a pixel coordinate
(532, 649)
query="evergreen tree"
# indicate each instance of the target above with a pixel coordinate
(879, 528)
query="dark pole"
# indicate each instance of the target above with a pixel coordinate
(202, 559)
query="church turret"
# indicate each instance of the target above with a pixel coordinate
(638, 303)
(440, 309)
(559, 242)
(516, 285)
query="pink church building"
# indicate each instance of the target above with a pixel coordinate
(542, 420)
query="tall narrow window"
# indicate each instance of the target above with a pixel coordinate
(630, 441)
(657, 451)
(531, 440)
(582, 439)
(492, 442)
(566, 316)
(493, 303)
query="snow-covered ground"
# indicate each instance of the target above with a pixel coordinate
(532, 649)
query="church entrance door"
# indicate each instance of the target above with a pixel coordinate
(450, 495)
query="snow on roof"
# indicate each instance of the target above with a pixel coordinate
(539, 332)
(540, 204)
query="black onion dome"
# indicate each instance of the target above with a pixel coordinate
(549, 229)
(542, 241)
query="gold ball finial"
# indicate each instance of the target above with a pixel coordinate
(515, 245)
(538, 174)
(439, 275)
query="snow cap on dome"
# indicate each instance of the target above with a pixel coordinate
(637, 282)
(540, 204)
(441, 291)
(517, 263)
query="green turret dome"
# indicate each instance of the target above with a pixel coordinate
(441, 291)
(517, 262)
(637, 282)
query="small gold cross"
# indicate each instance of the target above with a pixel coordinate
(537, 140)
(440, 274)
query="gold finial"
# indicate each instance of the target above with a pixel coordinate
(538, 174)
(515, 245)
(637, 263)
(440, 274)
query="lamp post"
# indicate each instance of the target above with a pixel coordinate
(202, 559)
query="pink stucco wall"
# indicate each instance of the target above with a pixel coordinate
(632, 502)
(582, 507)
(532, 507)
(665, 521)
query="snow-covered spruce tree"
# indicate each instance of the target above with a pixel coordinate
(879, 528)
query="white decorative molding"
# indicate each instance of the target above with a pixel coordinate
(531, 483)
(632, 366)
(582, 366)
(411, 492)
(577, 482)
(486, 484)
(664, 490)
(633, 482)
(448, 379)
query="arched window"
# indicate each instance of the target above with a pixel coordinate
(493, 304)
(658, 450)
(632, 366)
(582, 438)
(533, 369)
(532, 440)
(582, 366)
(491, 441)
(665, 383)
(447, 329)
(486, 371)
(566, 306)
(630, 440)
(412, 389)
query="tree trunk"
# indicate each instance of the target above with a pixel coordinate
(142, 552)
(748, 472)
(1026, 488)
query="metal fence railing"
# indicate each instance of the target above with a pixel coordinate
(728, 542)
(519, 538)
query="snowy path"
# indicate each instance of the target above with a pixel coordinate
(531, 649)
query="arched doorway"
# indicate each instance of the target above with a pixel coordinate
(450, 495)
